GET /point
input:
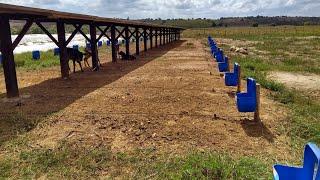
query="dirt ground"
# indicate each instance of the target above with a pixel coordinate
(172, 99)
(308, 83)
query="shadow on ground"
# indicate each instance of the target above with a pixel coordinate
(53, 95)
(257, 129)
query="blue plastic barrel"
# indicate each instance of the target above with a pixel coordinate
(36, 55)
(76, 47)
(99, 43)
(56, 51)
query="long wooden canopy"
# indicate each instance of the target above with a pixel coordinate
(21, 12)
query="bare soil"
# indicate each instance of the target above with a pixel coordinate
(172, 99)
(308, 83)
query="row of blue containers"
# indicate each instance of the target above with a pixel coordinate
(37, 54)
(246, 102)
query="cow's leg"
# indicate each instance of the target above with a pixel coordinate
(74, 66)
(79, 62)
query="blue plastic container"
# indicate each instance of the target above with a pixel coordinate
(56, 51)
(231, 78)
(100, 43)
(75, 47)
(247, 102)
(309, 170)
(36, 55)
(224, 66)
(219, 56)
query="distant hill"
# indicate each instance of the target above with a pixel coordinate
(237, 21)
(16, 26)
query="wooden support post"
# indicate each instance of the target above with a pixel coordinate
(151, 38)
(257, 112)
(137, 42)
(160, 37)
(64, 63)
(156, 37)
(168, 36)
(145, 39)
(228, 64)
(127, 39)
(94, 49)
(164, 36)
(239, 80)
(113, 43)
(175, 35)
(9, 67)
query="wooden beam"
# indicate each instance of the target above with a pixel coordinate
(23, 32)
(47, 33)
(103, 32)
(145, 39)
(64, 63)
(151, 38)
(84, 35)
(113, 43)
(9, 67)
(156, 37)
(127, 39)
(94, 49)
(160, 37)
(137, 41)
(73, 33)
(120, 33)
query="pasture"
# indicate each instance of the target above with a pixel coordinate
(166, 115)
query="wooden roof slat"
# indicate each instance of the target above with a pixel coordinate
(55, 15)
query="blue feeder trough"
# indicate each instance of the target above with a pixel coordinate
(219, 56)
(99, 43)
(108, 43)
(232, 78)
(56, 51)
(224, 66)
(309, 171)
(247, 102)
(75, 47)
(36, 55)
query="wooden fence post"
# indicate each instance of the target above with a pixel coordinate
(257, 112)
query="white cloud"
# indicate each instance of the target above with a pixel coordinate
(178, 8)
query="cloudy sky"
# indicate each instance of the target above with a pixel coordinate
(136, 9)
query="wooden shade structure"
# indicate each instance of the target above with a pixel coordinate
(111, 28)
